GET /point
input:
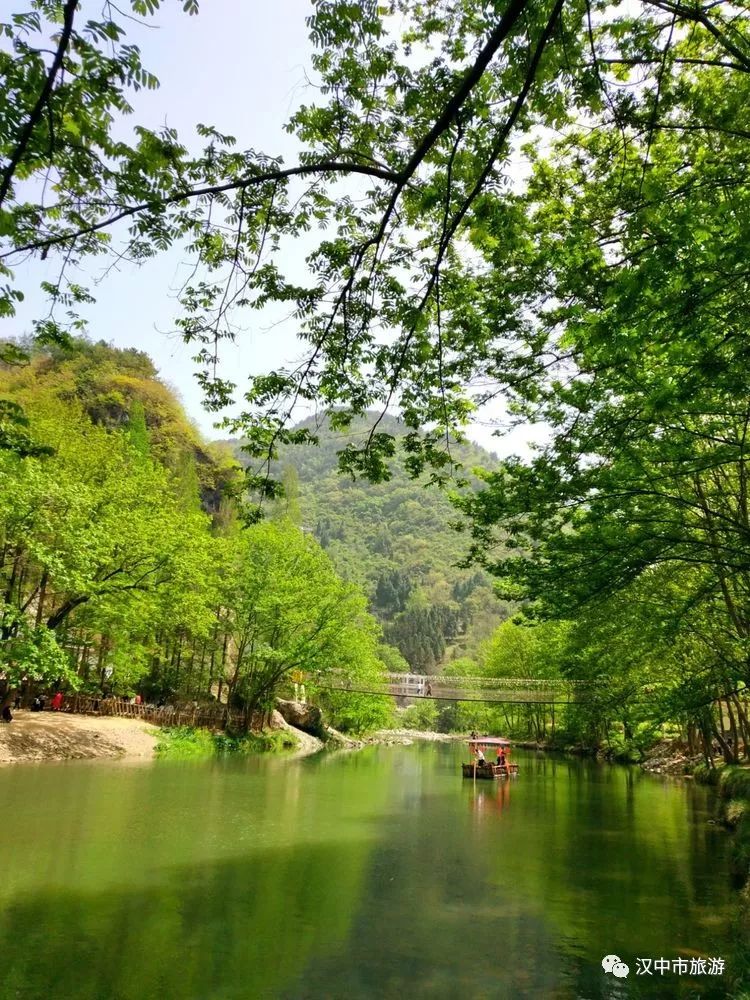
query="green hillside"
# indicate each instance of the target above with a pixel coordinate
(125, 568)
(395, 540)
(120, 390)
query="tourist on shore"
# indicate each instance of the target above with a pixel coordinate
(57, 701)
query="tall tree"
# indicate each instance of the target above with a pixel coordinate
(631, 300)
(289, 612)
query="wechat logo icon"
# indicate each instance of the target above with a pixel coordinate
(612, 964)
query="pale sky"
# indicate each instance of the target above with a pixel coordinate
(240, 66)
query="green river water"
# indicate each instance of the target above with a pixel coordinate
(376, 874)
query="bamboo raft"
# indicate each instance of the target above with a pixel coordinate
(488, 771)
(485, 770)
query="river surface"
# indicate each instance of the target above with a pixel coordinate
(376, 874)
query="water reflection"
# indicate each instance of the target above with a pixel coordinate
(488, 797)
(381, 874)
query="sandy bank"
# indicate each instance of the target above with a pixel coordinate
(38, 736)
(58, 736)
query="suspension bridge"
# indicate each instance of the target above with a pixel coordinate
(501, 690)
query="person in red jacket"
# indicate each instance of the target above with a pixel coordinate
(57, 701)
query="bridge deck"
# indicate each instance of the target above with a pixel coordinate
(505, 690)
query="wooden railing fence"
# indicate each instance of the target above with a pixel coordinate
(209, 716)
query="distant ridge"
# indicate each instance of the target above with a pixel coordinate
(395, 540)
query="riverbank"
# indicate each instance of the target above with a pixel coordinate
(47, 736)
(405, 737)
(671, 757)
(62, 736)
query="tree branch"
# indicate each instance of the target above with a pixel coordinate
(38, 109)
(700, 17)
(301, 170)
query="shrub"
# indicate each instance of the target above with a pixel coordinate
(185, 742)
(706, 775)
(740, 858)
(357, 713)
(735, 811)
(734, 782)
(421, 716)
(271, 741)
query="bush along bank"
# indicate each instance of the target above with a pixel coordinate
(732, 784)
(187, 742)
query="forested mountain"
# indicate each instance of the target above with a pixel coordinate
(395, 540)
(119, 389)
